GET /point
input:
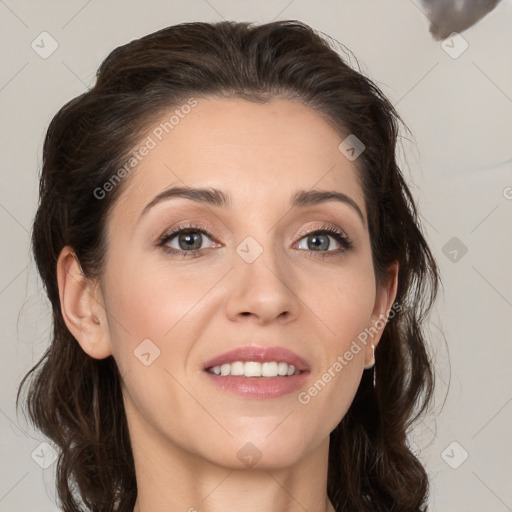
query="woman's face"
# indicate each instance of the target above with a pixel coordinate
(256, 279)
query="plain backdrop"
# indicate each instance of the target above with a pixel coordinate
(456, 98)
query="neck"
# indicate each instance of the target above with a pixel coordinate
(171, 478)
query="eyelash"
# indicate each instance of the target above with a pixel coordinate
(336, 233)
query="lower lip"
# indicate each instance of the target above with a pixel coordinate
(259, 387)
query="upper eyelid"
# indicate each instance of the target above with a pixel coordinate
(172, 232)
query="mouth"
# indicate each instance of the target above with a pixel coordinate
(258, 372)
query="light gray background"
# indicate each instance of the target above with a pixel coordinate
(459, 168)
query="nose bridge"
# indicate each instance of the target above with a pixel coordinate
(262, 279)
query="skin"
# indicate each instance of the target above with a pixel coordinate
(185, 432)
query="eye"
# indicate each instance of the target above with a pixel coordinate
(319, 240)
(187, 240)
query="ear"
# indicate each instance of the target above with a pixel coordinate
(82, 306)
(385, 296)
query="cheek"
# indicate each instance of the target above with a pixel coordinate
(155, 316)
(346, 301)
(149, 300)
(344, 308)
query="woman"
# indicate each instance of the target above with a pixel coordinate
(238, 281)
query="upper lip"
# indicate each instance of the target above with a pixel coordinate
(259, 354)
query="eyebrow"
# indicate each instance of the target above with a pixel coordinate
(216, 197)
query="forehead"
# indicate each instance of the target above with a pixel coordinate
(254, 152)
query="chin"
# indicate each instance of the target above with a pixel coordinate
(256, 452)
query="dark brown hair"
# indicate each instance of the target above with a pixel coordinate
(76, 401)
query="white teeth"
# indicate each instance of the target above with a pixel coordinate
(282, 369)
(252, 369)
(255, 369)
(237, 368)
(269, 369)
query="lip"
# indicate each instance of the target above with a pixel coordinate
(259, 355)
(258, 387)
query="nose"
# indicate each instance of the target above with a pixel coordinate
(262, 290)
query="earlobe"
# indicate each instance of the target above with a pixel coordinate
(82, 306)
